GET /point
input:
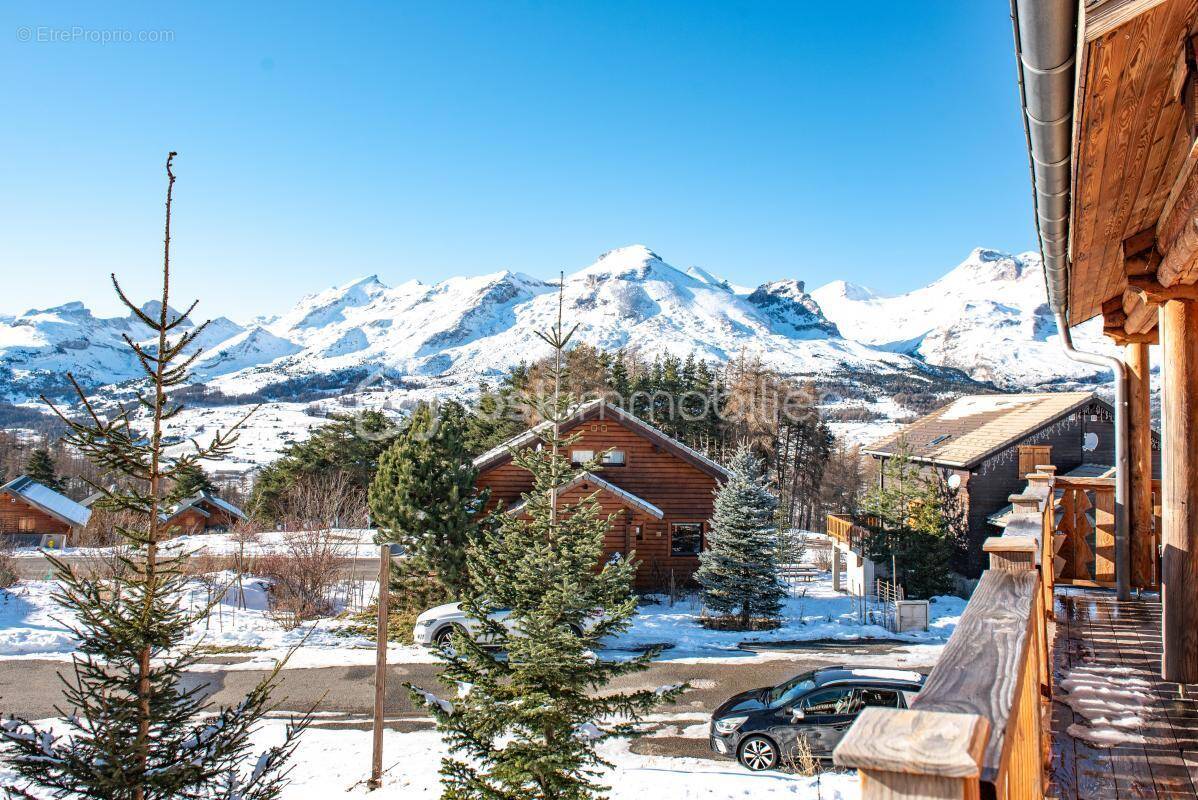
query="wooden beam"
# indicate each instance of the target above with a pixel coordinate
(1104, 17)
(1140, 254)
(1143, 537)
(1179, 496)
(1121, 336)
(1113, 315)
(1152, 291)
(915, 755)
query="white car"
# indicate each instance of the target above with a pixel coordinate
(435, 626)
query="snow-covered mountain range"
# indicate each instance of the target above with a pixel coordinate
(989, 317)
(986, 319)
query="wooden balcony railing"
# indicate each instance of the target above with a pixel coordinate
(847, 530)
(975, 730)
(1080, 518)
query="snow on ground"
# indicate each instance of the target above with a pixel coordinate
(32, 625)
(817, 613)
(336, 763)
(351, 543)
(1114, 704)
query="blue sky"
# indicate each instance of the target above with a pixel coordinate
(876, 142)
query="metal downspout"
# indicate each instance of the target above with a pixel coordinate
(1122, 456)
(1046, 45)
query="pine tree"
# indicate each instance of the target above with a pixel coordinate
(190, 480)
(739, 570)
(136, 732)
(526, 724)
(40, 467)
(423, 497)
(919, 525)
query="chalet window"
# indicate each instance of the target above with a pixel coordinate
(1032, 456)
(26, 524)
(686, 538)
(614, 458)
(581, 456)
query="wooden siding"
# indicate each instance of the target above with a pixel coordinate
(13, 509)
(683, 492)
(192, 521)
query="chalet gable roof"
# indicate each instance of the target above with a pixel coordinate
(601, 409)
(199, 499)
(974, 427)
(45, 499)
(623, 495)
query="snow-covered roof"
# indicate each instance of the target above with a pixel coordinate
(42, 497)
(973, 427)
(601, 409)
(624, 496)
(204, 497)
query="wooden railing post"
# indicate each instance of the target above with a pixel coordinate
(1011, 552)
(915, 755)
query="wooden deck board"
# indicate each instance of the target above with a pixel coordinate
(1118, 645)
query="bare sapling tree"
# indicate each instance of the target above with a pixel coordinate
(315, 554)
(134, 730)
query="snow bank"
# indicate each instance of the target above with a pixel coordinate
(820, 614)
(336, 763)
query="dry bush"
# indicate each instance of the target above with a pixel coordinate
(303, 576)
(102, 527)
(325, 501)
(8, 565)
(800, 760)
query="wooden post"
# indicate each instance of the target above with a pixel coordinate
(915, 755)
(1143, 540)
(380, 667)
(1179, 512)
(835, 566)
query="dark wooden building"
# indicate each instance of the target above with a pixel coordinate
(202, 513)
(987, 444)
(33, 515)
(660, 491)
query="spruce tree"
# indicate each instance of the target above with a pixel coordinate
(40, 467)
(739, 570)
(190, 480)
(135, 731)
(527, 721)
(423, 498)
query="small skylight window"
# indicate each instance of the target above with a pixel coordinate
(940, 439)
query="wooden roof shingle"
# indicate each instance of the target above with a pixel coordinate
(973, 427)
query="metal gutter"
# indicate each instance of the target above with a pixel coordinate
(1046, 37)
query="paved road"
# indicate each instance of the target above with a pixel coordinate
(31, 689)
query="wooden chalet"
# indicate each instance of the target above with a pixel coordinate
(34, 515)
(202, 513)
(659, 492)
(987, 445)
(1073, 672)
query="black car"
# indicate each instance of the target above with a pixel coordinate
(762, 727)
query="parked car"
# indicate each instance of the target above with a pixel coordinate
(435, 626)
(762, 727)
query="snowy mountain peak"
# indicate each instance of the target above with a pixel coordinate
(843, 290)
(153, 308)
(787, 303)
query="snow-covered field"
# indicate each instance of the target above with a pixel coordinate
(350, 543)
(32, 626)
(336, 763)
